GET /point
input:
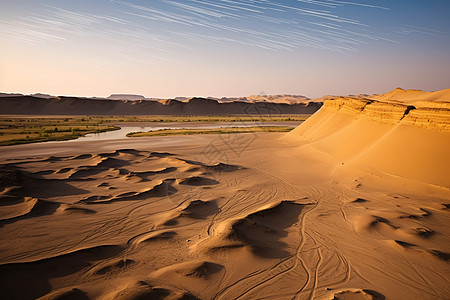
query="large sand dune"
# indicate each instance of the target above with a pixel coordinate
(400, 139)
(353, 204)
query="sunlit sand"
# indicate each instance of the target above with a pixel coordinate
(352, 204)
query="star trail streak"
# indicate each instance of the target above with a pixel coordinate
(270, 25)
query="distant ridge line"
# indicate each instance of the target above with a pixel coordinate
(32, 105)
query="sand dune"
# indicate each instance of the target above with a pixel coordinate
(395, 138)
(414, 97)
(353, 204)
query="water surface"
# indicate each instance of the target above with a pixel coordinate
(127, 128)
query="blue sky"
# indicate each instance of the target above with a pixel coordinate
(168, 48)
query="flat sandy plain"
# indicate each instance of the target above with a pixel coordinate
(353, 204)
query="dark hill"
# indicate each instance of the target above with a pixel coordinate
(30, 105)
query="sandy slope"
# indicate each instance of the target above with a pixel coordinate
(316, 214)
(396, 138)
(414, 97)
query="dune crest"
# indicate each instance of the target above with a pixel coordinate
(414, 97)
(396, 138)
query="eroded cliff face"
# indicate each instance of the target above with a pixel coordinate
(429, 115)
(405, 139)
(437, 119)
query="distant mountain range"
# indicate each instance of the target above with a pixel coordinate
(128, 104)
(288, 99)
(124, 104)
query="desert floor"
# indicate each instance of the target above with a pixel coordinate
(243, 216)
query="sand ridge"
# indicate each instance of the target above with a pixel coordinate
(397, 138)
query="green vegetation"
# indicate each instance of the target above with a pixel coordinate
(15, 131)
(164, 132)
(231, 118)
(33, 129)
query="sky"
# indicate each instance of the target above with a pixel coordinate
(223, 48)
